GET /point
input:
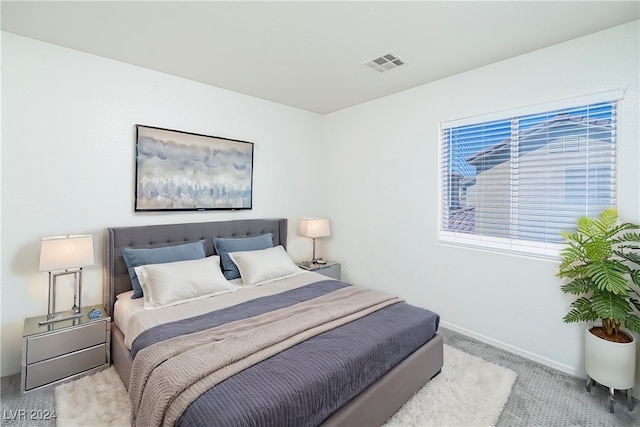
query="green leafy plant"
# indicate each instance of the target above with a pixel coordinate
(602, 262)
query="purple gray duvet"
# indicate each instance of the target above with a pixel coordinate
(301, 385)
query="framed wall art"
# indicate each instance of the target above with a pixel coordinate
(182, 171)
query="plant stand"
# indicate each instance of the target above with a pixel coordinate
(591, 382)
(610, 364)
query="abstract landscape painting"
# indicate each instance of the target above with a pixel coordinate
(186, 171)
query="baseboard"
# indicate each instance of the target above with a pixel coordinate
(537, 358)
(515, 350)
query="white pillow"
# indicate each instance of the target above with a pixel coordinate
(265, 265)
(176, 282)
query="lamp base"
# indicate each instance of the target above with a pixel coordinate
(76, 310)
(309, 265)
(60, 316)
(305, 265)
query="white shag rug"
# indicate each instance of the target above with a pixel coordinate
(468, 392)
(95, 400)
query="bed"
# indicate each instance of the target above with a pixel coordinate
(371, 404)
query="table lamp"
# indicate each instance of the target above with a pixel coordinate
(60, 256)
(314, 227)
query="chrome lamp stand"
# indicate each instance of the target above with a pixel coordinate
(76, 309)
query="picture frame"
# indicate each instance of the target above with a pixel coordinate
(184, 171)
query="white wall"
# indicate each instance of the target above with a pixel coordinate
(381, 182)
(68, 160)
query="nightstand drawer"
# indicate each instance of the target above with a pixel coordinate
(65, 341)
(52, 370)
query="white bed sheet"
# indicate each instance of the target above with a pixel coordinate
(132, 319)
(124, 308)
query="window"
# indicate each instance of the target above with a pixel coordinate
(514, 181)
(590, 184)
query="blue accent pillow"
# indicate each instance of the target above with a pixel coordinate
(224, 246)
(137, 257)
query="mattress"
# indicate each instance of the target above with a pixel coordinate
(299, 386)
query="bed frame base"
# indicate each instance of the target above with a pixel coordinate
(120, 355)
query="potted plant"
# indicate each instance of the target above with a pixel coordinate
(602, 262)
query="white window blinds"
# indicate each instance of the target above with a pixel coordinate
(514, 183)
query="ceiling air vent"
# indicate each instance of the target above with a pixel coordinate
(386, 62)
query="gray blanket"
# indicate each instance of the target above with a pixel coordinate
(268, 397)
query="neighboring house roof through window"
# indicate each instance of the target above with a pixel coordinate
(561, 126)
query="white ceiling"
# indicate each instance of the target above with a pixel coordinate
(308, 54)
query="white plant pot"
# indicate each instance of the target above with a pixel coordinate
(609, 363)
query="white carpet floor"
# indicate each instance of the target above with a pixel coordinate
(468, 392)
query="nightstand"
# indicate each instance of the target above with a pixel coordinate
(62, 351)
(331, 269)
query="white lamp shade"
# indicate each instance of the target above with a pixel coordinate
(62, 252)
(314, 227)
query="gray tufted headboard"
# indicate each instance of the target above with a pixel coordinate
(116, 277)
